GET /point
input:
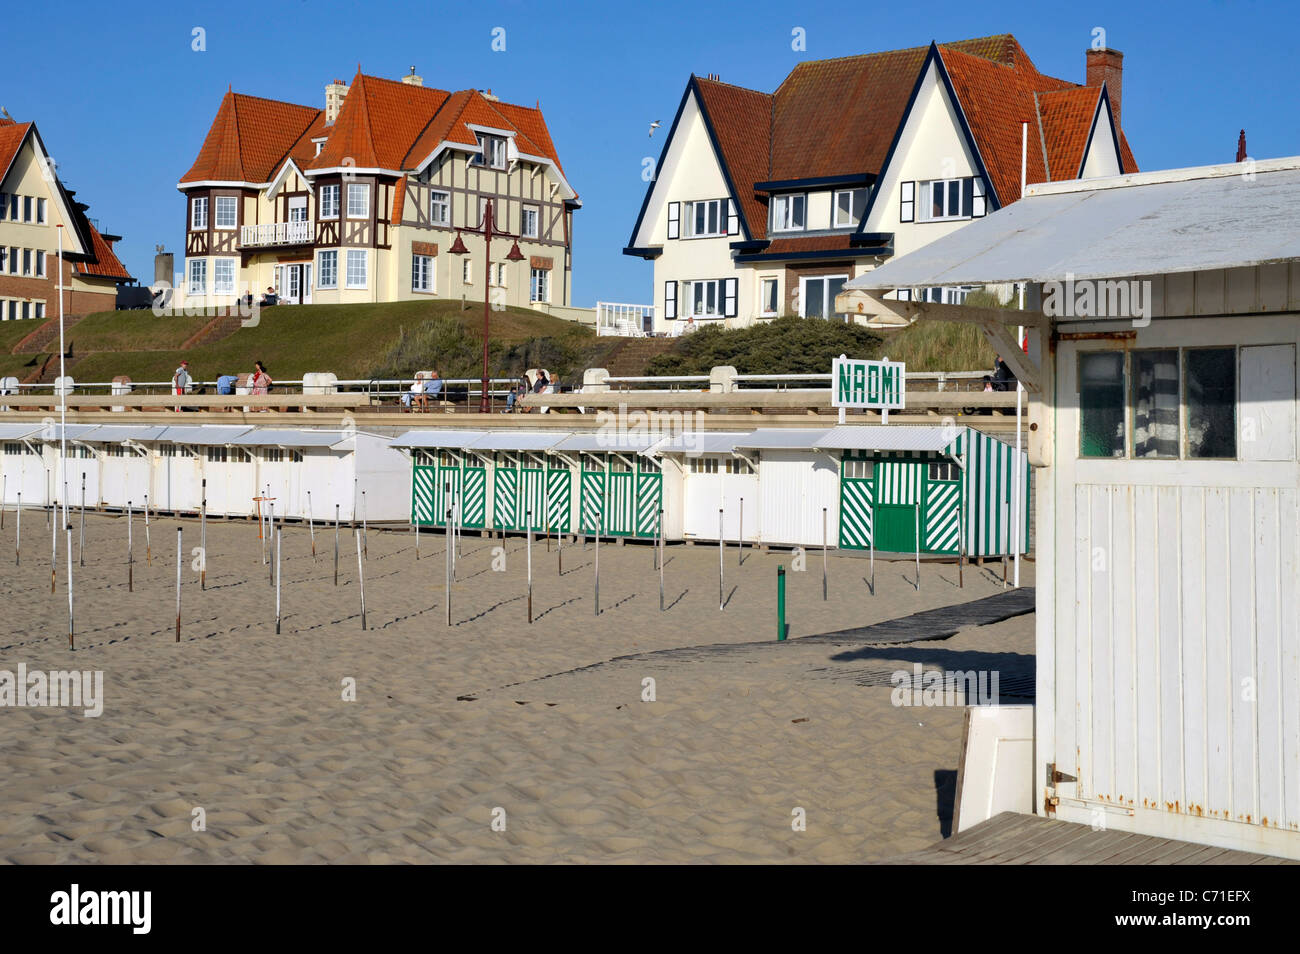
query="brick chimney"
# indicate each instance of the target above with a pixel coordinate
(334, 94)
(1107, 66)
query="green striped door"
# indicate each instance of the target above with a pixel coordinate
(559, 493)
(505, 493)
(649, 497)
(940, 515)
(474, 501)
(857, 493)
(620, 503)
(532, 494)
(428, 491)
(592, 504)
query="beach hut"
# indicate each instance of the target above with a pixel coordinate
(952, 483)
(125, 462)
(796, 484)
(711, 477)
(81, 459)
(620, 481)
(1161, 371)
(189, 454)
(22, 462)
(525, 482)
(440, 460)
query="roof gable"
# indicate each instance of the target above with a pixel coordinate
(250, 138)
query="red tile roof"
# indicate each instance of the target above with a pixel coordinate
(840, 117)
(383, 124)
(106, 263)
(12, 135)
(1066, 116)
(250, 139)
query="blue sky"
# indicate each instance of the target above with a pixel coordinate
(123, 102)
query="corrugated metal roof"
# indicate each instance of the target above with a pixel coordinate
(291, 438)
(886, 438)
(782, 438)
(117, 433)
(53, 432)
(608, 443)
(437, 438)
(699, 442)
(518, 441)
(1145, 224)
(204, 435)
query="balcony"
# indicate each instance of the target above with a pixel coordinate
(277, 233)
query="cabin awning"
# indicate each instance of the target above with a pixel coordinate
(777, 438)
(1180, 220)
(291, 438)
(121, 433)
(218, 435)
(518, 441)
(53, 432)
(16, 432)
(599, 443)
(697, 442)
(454, 440)
(879, 437)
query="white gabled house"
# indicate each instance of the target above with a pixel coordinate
(767, 204)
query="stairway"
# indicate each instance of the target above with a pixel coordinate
(630, 356)
(42, 336)
(221, 327)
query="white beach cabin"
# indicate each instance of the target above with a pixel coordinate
(1162, 377)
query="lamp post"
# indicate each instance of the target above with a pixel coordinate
(488, 231)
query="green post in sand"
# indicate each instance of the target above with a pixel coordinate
(780, 603)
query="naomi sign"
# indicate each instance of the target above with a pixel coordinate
(868, 384)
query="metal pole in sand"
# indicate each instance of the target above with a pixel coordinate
(81, 543)
(270, 528)
(559, 548)
(446, 531)
(961, 551)
(365, 533)
(361, 578)
(178, 583)
(203, 537)
(660, 546)
(262, 531)
(873, 554)
(4, 487)
(528, 517)
(54, 545)
(916, 510)
(311, 527)
(130, 563)
(277, 580)
(825, 587)
(148, 547)
(416, 522)
(780, 603)
(18, 539)
(336, 544)
(72, 644)
(722, 547)
(740, 536)
(597, 571)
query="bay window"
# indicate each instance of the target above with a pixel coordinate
(226, 212)
(198, 276)
(358, 201)
(357, 267)
(199, 213)
(327, 270)
(329, 202)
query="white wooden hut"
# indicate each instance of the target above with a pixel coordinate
(22, 464)
(1162, 377)
(702, 475)
(798, 486)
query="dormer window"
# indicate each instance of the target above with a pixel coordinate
(492, 152)
(789, 213)
(850, 204)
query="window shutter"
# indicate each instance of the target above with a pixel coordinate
(967, 195)
(733, 220)
(729, 297)
(674, 219)
(670, 300)
(907, 206)
(979, 205)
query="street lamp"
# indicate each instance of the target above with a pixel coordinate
(458, 248)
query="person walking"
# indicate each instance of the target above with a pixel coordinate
(260, 382)
(181, 381)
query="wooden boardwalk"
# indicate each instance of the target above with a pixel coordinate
(1015, 839)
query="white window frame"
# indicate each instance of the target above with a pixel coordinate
(492, 151)
(443, 220)
(4, 206)
(466, 272)
(201, 286)
(530, 213)
(328, 200)
(27, 262)
(715, 210)
(762, 296)
(39, 256)
(501, 275)
(220, 287)
(327, 276)
(362, 255)
(423, 278)
(718, 296)
(925, 210)
(539, 285)
(783, 212)
(835, 208)
(829, 312)
(232, 202)
(198, 213)
(40, 211)
(359, 188)
(29, 209)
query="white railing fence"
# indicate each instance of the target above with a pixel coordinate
(278, 233)
(624, 320)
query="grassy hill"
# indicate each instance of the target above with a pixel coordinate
(353, 341)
